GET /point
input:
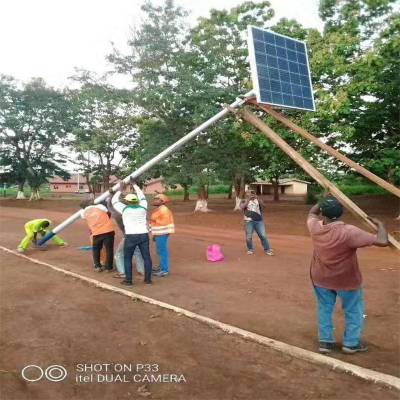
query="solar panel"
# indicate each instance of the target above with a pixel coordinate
(279, 69)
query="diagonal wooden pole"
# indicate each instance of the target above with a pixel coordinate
(307, 135)
(311, 170)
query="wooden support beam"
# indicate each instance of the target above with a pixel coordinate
(311, 170)
(307, 135)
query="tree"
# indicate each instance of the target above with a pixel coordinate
(104, 127)
(219, 49)
(169, 94)
(34, 120)
(355, 67)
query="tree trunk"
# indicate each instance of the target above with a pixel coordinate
(390, 176)
(275, 185)
(202, 199)
(106, 176)
(230, 191)
(20, 194)
(89, 185)
(238, 200)
(35, 194)
(202, 205)
(186, 194)
(239, 191)
(106, 181)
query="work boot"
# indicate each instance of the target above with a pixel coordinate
(161, 274)
(360, 348)
(326, 347)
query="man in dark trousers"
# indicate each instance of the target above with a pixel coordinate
(119, 253)
(134, 217)
(102, 231)
(252, 208)
(335, 272)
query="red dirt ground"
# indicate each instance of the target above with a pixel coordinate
(271, 296)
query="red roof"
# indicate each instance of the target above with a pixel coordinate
(74, 179)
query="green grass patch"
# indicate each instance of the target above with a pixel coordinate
(11, 192)
(357, 189)
(215, 191)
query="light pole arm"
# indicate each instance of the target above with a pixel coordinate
(164, 154)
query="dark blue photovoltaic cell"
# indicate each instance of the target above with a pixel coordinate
(274, 73)
(283, 64)
(301, 58)
(262, 70)
(291, 55)
(285, 76)
(280, 41)
(304, 80)
(282, 70)
(286, 87)
(259, 47)
(271, 49)
(272, 61)
(300, 47)
(308, 104)
(280, 52)
(295, 78)
(275, 86)
(303, 69)
(258, 35)
(269, 37)
(287, 99)
(293, 67)
(261, 58)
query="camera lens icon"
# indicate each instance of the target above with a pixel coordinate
(53, 373)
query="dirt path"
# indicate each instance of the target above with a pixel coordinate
(271, 296)
(50, 319)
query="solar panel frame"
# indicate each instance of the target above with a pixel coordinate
(272, 65)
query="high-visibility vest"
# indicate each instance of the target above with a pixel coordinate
(162, 221)
(98, 220)
(36, 225)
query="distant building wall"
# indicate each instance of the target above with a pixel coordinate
(155, 186)
(287, 187)
(65, 187)
(298, 188)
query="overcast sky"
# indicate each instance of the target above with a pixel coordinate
(48, 38)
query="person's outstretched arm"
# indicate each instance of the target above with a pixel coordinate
(243, 203)
(140, 195)
(382, 234)
(116, 203)
(315, 210)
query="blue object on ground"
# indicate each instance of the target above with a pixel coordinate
(85, 248)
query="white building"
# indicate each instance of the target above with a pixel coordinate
(288, 186)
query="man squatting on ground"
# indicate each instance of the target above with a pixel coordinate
(335, 272)
(34, 228)
(134, 217)
(102, 230)
(119, 255)
(162, 225)
(252, 208)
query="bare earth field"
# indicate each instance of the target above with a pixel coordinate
(47, 318)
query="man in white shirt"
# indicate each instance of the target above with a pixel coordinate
(134, 217)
